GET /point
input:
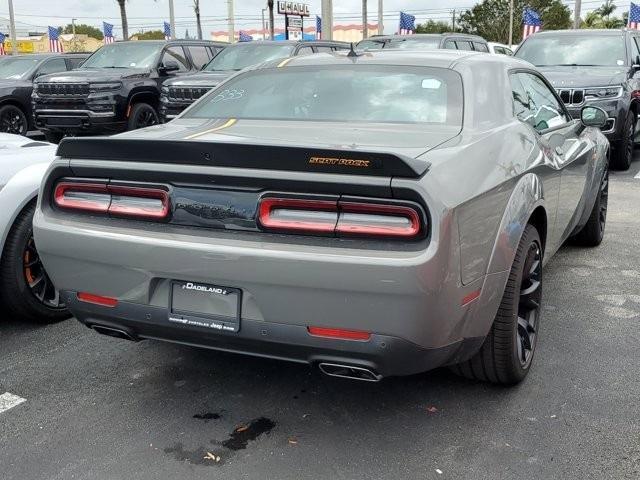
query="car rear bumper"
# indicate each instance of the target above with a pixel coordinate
(411, 302)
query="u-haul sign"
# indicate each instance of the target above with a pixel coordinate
(293, 8)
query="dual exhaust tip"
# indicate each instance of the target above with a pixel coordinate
(331, 369)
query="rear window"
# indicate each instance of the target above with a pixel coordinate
(341, 93)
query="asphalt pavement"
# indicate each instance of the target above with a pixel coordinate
(101, 408)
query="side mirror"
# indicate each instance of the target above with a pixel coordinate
(593, 116)
(170, 66)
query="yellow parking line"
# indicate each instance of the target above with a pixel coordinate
(228, 123)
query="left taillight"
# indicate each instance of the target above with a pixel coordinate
(117, 200)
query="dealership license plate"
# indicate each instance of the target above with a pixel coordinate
(213, 307)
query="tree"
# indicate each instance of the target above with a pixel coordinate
(606, 9)
(196, 9)
(490, 18)
(601, 17)
(151, 35)
(81, 28)
(123, 16)
(432, 26)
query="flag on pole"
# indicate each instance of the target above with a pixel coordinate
(244, 37)
(532, 22)
(318, 27)
(407, 24)
(634, 16)
(55, 45)
(167, 31)
(2, 39)
(107, 30)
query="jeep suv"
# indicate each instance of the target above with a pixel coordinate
(596, 67)
(427, 41)
(117, 88)
(17, 74)
(179, 93)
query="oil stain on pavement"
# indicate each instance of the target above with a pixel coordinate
(238, 440)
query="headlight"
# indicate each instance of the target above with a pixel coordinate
(164, 89)
(603, 92)
(35, 87)
(104, 86)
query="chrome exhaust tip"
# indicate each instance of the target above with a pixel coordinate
(349, 371)
(113, 332)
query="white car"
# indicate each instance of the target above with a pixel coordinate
(26, 292)
(500, 49)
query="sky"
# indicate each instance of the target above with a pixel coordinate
(149, 15)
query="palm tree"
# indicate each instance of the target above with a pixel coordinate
(606, 9)
(196, 9)
(123, 16)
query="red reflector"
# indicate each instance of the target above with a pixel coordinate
(339, 333)
(97, 299)
(470, 297)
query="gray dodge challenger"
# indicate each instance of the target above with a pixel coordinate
(373, 214)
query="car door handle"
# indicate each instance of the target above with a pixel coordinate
(559, 151)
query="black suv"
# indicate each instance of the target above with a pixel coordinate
(117, 88)
(421, 41)
(17, 74)
(596, 67)
(179, 93)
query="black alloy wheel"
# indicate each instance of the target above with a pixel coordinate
(142, 115)
(13, 120)
(37, 280)
(623, 151)
(604, 200)
(529, 304)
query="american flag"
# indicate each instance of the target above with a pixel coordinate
(107, 29)
(55, 45)
(532, 22)
(634, 16)
(407, 24)
(167, 31)
(243, 37)
(318, 28)
(2, 39)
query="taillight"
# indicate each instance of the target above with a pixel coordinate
(342, 218)
(119, 200)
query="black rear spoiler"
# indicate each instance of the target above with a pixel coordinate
(236, 155)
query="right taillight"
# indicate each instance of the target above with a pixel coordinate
(342, 218)
(119, 200)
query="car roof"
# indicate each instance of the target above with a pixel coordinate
(289, 42)
(174, 41)
(424, 35)
(590, 32)
(409, 58)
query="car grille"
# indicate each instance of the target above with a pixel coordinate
(572, 96)
(187, 93)
(63, 89)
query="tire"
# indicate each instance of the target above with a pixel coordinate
(623, 151)
(505, 356)
(592, 233)
(142, 115)
(19, 263)
(13, 120)
(53, 137)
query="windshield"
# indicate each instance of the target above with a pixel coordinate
(18, 67)
(238, 57)
(125, 55)
(343, 93)
(588, 50)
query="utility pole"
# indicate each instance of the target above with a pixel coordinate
(232, 27)
(576, 14)
(271, 20)
(327, 19)
(380, 18)
(365, 23)
(264, 27)
(12, 27)
(172, 19)
(511, 24)
(453, 20)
